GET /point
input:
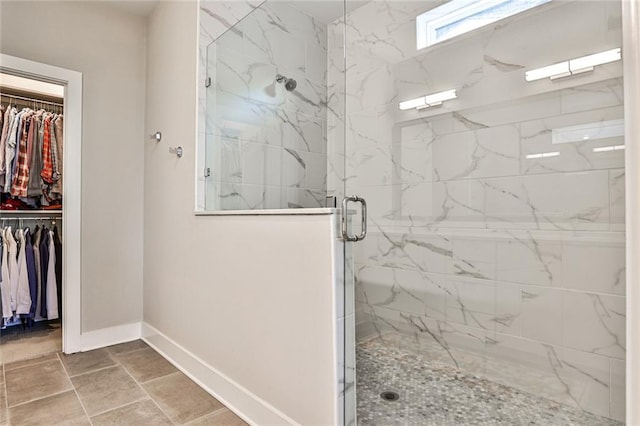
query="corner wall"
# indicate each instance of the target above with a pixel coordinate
(243, 301)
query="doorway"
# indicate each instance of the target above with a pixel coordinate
(70, 210)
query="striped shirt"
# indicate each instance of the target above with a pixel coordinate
(21, 176)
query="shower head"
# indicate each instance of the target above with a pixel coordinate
(289, 83)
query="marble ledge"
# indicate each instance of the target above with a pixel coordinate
(497, 234)
(322, 211)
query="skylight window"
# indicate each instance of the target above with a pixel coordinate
(460, 16)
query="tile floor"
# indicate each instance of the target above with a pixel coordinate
(434, 393)
(43, 338)
(127, 384)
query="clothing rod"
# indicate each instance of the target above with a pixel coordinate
(31, 99)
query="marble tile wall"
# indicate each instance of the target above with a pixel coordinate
(265, 146)
(506, 266)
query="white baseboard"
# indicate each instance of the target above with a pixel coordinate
(240, 400)
(110, 336)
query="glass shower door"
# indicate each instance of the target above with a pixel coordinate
(490, 285)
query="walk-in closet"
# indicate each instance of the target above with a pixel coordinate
(31, 220)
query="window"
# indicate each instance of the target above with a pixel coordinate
(460, 16)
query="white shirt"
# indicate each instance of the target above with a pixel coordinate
(24, 295)
(52, 283)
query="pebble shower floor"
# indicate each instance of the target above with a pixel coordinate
(432, 393)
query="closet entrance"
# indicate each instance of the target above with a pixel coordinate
(31, 185)
(40, 121)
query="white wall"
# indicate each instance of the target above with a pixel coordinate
(249, 296)
(108, 47)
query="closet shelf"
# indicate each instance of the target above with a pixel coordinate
(30, 212)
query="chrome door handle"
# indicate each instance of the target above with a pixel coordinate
(345, 232)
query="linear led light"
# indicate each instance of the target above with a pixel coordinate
(542, 155)
(588, 132)
(609, 148)
(574, 66)
(428, 100)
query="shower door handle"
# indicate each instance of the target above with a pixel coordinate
(344, 219)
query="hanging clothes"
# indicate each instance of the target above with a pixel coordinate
(12, 265)
(1, 251)
(58, 125)
(9, 117)
(34, 187)
(21, 163)
(30, 274)
(5, 281)
(38, 266)
(31, 156)
(57, 242)
(52, 283)
(44, 267)
(23, 303)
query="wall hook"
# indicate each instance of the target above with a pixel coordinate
(177, 151)
(157, 136)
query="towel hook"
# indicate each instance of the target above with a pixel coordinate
(177, 151)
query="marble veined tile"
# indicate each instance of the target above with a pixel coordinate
(245, 76)
(508, 317)
(588, 380)
(218, 16)
(473, 258)
(458, 204)
(484, 152)
(471, 302)
(412, 165)
(261, 164)
(617, 199)
(602, 94)
(594, 323)
(267, 38)
(402, 290)
(594, 266)
(416, 202)
(374, 88)
(425, 74)
(530, 366)
(527, 260)
(566, 201)
(512, 42)
(537, 138)
(541, 314)
(618, 389)
(404, 251)
(511, 111)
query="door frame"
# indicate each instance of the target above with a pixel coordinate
(631, 64)
(71, 190)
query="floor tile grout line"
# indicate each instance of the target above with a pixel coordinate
(93, 371)
(158, 378)
(214, 413)
(127, 352)
(75, 391)
(54, 354)
(38, 399)
(6, 395)
(144, 398)
(150, 397)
